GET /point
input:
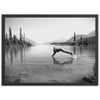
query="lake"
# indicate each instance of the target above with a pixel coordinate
(35, 64)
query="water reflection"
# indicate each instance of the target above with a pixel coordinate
(11, 57)
(21, 54)
(74, 50)
(14, 53)
(80, 49)
(36, 61)
(56, 62)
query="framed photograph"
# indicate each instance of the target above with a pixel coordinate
(50, 50)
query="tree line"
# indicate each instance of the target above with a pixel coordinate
(13, 40)
(87, 41)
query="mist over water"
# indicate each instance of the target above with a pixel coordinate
(35, 64)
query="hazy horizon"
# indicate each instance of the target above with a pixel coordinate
(43, 30)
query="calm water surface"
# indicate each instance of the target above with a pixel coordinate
(35, 64)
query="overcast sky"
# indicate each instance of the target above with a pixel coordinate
(47, 29)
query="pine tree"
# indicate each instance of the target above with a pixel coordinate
(86, 42)
(74, 37)
(10, 36)
(6, 40)
(15, 39)
(24, 37)
(6, 36)
(20, 35)
(81, 40)
(10, 33)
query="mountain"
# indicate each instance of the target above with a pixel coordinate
(90, 34)
(90, 38)
(86, 41)
(30, 41)
(62, 39)
(77, 38)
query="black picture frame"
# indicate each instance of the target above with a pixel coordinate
(47, 16)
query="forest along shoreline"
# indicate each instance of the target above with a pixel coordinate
(12, 40)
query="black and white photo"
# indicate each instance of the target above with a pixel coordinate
(50, 49)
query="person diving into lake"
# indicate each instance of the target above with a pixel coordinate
(56, 50)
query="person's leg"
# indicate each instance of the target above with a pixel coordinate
(67, 52)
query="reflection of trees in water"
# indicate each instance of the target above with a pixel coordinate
(74, 49)
(89, 51)
(12, 53)
(56, 62)
(15, 52)
(11, 57)
(7, 53)
(80, 49)
(77, 49)
(21, 54)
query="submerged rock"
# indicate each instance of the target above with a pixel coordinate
(89, 79)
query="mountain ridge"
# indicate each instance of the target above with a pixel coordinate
(90, 34)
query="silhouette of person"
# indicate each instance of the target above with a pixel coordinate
(55, 50)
